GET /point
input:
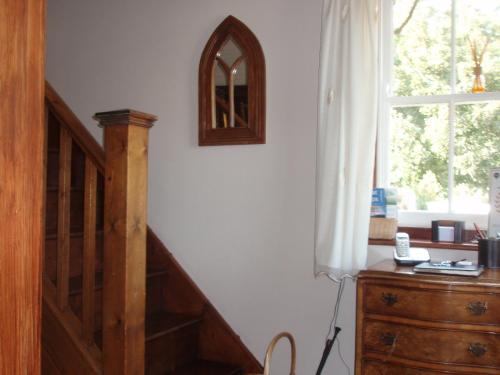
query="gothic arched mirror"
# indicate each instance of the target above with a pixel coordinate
(232, 81)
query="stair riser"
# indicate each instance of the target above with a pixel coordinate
(172, 350)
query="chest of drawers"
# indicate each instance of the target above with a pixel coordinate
(416, 324)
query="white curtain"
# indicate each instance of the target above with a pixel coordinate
(348, 102)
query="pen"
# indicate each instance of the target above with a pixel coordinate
(479, 232)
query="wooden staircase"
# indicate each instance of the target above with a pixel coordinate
(91, 324)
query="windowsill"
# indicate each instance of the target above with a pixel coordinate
(421, 237)
(429, 244)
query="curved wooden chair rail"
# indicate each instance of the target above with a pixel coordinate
(270, 349)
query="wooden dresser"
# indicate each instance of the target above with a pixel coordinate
(409, 324)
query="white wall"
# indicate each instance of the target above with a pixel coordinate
(238, 218)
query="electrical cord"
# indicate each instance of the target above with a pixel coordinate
(342, 358)
(329, 342)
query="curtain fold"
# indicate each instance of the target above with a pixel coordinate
(347, 123)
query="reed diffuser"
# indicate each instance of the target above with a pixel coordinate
(478, 85)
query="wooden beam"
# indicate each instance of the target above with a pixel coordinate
(63, 218)
(89, 247)
(22, 39)
(124, 289)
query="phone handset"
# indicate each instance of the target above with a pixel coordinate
(402, 244)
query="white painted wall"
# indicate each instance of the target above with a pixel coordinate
(238, 218)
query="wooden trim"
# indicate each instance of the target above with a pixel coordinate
(421, 237)
(79, 133)
(22, 69)
(63, 219)
(89, 251)
(125, 202)
(255, 133)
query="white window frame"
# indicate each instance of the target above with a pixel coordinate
(387, 101)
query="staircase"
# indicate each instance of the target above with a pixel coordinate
(111, 303)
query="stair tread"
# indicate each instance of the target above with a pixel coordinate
(159, 324)
(201, 367)
(162, 323)
(75, 282)
(74, 234)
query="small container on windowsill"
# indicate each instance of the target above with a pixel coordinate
(383, 228)
(448, 231)
(489, 252)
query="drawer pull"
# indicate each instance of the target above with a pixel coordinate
(389, 298)
(387, 338)
(477, 308)
(477, 349)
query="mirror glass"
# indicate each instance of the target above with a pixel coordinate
(230, 87)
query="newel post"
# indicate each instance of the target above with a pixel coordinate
(125, 201)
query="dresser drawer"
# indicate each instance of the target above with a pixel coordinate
(433, 304)
(432, 345)
(384, 368)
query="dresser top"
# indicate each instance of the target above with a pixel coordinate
(389, 269)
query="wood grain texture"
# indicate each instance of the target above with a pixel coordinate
(62, 338)
(124, 289)
(255, 133)
(63, 216)
(79, 132)
(421, 237)
(22, 56)
(89, 251)
(432, 323)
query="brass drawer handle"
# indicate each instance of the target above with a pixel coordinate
(389, 299)
(477, 308)
(387, 338)
(477, 349)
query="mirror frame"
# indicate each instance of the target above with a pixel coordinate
(255, 133)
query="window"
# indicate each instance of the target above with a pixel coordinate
(437, 139)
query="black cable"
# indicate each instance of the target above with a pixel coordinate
(333, 323)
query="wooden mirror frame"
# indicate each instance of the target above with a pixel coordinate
(255, 133)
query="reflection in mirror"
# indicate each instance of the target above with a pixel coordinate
(221, 96)
(230, 87)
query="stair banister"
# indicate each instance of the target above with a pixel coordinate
(125, 202)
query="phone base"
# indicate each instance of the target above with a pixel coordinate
(416, 255)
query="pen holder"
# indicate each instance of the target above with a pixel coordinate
(489, 253)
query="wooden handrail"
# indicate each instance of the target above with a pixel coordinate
(222, 103)
(79, 133)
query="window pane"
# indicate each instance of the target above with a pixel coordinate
(422, 41)
(477, 21)
(419, 156)
(477, 149)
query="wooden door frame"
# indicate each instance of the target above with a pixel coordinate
(22, 138)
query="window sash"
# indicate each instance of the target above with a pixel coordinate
(387, 101)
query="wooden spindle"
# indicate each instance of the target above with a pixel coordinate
(89, 250)
(124, 289)
(63, 218)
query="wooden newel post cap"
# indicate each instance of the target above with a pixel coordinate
(125, 117)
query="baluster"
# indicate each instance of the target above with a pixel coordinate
(124, 288)
(89, 249)
(63, 218)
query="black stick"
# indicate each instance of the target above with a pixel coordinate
(326, 351)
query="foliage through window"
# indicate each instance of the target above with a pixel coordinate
(442, 139)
